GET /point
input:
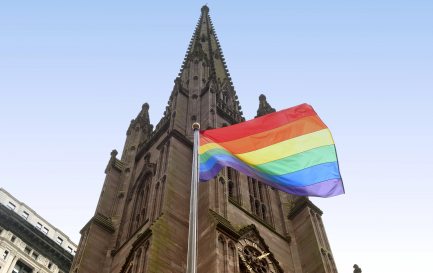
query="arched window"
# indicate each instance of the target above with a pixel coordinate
(221, 196)
(260, 191)
(145, 201)
(222, 255)
(258, 199)
(225, 97)
(232, 261)
(140, 204)
(233, 184)
(264, 213)
(252, 203)
(258, 210)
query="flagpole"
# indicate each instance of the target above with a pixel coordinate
(191, 266)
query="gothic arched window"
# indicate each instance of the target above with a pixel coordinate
(258, 199)
(222, 254)
(233, 184)
(140, 205)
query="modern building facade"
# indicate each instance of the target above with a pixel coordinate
(141, 221)
(28, 243)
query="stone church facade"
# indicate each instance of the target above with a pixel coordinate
(141, 221)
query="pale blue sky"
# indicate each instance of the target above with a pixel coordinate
(74, 73)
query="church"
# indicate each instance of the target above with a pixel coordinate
(141, 220)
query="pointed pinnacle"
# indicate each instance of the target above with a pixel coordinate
(204, 9)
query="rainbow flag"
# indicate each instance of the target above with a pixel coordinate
(291, 150)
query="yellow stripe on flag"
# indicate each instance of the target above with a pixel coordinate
(208, 146)
(288, 147)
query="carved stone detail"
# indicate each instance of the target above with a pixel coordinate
(356, 269)
(264, 106)
(142, 123)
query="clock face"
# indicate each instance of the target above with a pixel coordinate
(253, 257)
(254, 260)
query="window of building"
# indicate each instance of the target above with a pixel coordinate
(59, 240)
(5, 254)
(45, 230)
(232, 183)
(20, 267)
(13, 238)
(140, 213)
(70, 249)
(27, 250)
(11, 206)
(39, 226)
(25, 215)
(35, 255)
(258, 198)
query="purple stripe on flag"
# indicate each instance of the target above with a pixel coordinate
(327, 188)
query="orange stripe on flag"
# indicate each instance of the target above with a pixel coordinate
(294, 129)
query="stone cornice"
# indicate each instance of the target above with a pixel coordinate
(179, 136)
(224, 225)
(102, 221)
(300, 205)
(174, 133)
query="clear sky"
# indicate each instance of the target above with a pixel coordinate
(74, 73)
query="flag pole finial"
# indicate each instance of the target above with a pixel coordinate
(196, 126)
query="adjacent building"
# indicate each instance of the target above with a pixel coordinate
(245, 226)
(28, 243)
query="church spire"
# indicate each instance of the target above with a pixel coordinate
(204, 45)
(204, 69)
(203, 91)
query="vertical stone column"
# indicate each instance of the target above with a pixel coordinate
(10, 266)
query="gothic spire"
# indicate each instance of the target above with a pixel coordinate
(205, 50)
(203, 91)
(205, 45)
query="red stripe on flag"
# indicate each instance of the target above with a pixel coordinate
(260, 124)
